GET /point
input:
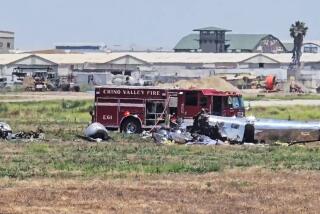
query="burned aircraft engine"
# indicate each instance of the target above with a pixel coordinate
(255, 130)
(96, 130)
(5, 130)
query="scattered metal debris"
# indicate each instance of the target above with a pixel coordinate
(7, 134)
(5, 130)
(28, 135)
(216, 130)
(96, 132)
(165, 136)
(177, 136)
(199, 133)
(205, 140)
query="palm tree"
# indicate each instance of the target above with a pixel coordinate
(298, 31)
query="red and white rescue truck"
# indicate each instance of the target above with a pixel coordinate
(132, 109)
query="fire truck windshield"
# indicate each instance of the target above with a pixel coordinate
(236, 102)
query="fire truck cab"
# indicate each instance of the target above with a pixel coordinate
(132, 109)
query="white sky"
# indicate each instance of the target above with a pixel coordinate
(148, 23)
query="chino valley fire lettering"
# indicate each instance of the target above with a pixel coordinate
(131, 92)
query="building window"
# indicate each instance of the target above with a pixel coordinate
(310, 50)
(1, 44)
(261, 65)
(204, 41)
(8, 45)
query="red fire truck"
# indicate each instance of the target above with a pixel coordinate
(133, 108)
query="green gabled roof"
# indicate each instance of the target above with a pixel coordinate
(189, 42)
(244, 41)
(235, 41)
(211, 29)
(288, 45)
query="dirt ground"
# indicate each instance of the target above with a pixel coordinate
(266, 103)
(42, 96)
(251, 190)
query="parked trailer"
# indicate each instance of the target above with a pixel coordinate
(132, 109)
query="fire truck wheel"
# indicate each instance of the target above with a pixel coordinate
(131, 126)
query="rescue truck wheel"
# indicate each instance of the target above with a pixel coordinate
(131, 126)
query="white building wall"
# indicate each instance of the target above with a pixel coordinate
(64, 70)
(280, 73)
(7, 70)
(4, 44)
(1, 70)
(173, 73)
(98, 78)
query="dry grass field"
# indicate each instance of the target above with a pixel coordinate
(64, 174)
(136, 177)
(252, 190)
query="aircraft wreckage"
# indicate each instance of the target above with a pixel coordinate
(254, 130)
(214, 130)
(233, 129)
(7, 134)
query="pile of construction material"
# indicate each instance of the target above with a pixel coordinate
(208, 82)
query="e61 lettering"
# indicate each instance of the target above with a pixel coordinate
(107, 117)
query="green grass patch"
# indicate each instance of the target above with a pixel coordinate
(125, 154)
(60, 119)
(289, 112)
(47, 111)
(111, 159)
(281, 97)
